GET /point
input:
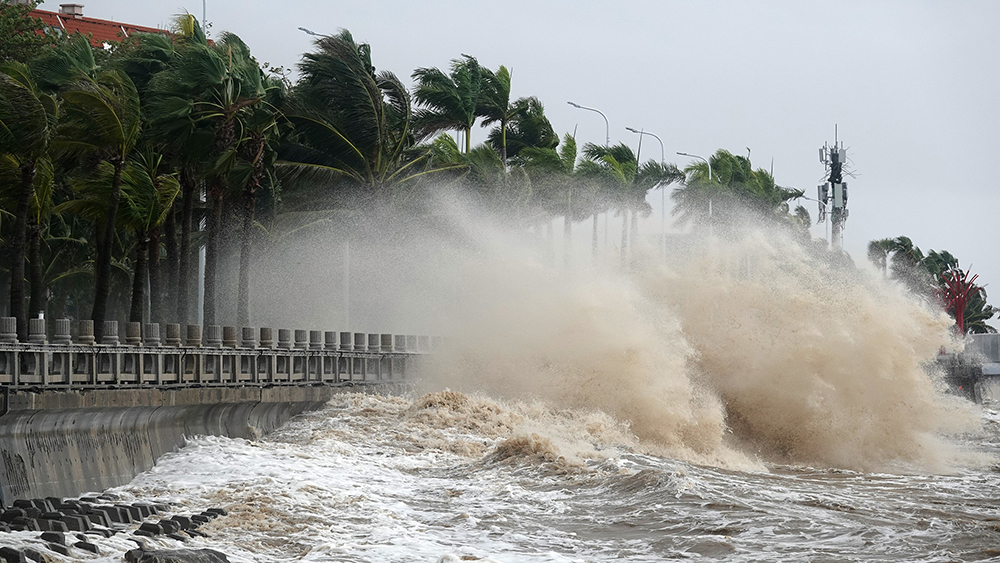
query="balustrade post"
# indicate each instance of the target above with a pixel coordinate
(133, 333)
(360, 341)
(266, 337)
(174, 335)
(248, 337)
(151, 335)
(284, 338)
(301, 336)
(400, 343)
(8, 330)
(346, 343)
(85, 329)
(110, 336)
(229, 337)
(213, 336)
(63, 332)
(315, 339)
(193, 336)
(36, 331)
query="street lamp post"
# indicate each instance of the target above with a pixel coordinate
(607, 143)
(709, 164)
(607, 126)
(663, 191)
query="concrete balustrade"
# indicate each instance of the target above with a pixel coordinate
(133, 333)
(173, 338)
(86, 330)
(229, 337)
(301, 357)
(110, 336)
(36, 331)
(8, 329)
(63, 332)
(248, 338)
(301, 339)
(266, 337)
(193, 336)
(151, 335)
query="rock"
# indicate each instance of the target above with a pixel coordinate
(25, 523)
(54, 537)
(176, 556)
(201, 519)
(76, 523)
(11, 555)
(87, 546)
(178, 537)
(54, 515)
(58, 548)
(35, 555)
(184, 521)
(51, 525)
(32, 512)
(152, 528)
(217, 511)
(170, 526)
(133, 512)
(10, 514)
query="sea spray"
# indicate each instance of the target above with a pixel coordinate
(751, 348)
(728, 351)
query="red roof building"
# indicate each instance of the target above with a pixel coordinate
(69, 20)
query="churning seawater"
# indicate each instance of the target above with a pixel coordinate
(744, 400)
(445, 475)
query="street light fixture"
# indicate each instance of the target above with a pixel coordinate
(663, 190)
(702, 158)
(711, 230)
(607, 126)
(311, 32)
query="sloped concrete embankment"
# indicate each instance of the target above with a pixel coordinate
(66, 443)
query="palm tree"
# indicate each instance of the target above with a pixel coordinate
(735, 188)
(101, 118)
(26, 121)
(453, 101)
(495, 107)
(527, 127)
(351, 124)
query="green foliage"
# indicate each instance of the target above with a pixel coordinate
(22, 37)
(734, 189)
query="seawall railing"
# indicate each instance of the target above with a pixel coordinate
(219, 356)
(80, 415)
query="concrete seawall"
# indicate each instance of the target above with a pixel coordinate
(65, 443)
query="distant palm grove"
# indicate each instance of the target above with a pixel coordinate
(120, 166)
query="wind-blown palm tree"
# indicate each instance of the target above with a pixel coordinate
(27, 117)
(101, 117)
(351, 124)
(734, 189)
(453, 101)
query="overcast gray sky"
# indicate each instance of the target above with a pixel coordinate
(913, 86)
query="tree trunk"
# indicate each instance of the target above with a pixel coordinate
(568, 228)
(102, 270)
(593, 242)
(185, 273)
(212, 252)
(243, 298)
(624, 249)
(172, 266)
(155, 283)
(135, 314)
(18, 250)
(36, 305)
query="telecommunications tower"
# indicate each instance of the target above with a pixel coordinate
(832, 194)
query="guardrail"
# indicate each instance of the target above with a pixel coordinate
(220, 358)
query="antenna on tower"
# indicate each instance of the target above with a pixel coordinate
(832, 194)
